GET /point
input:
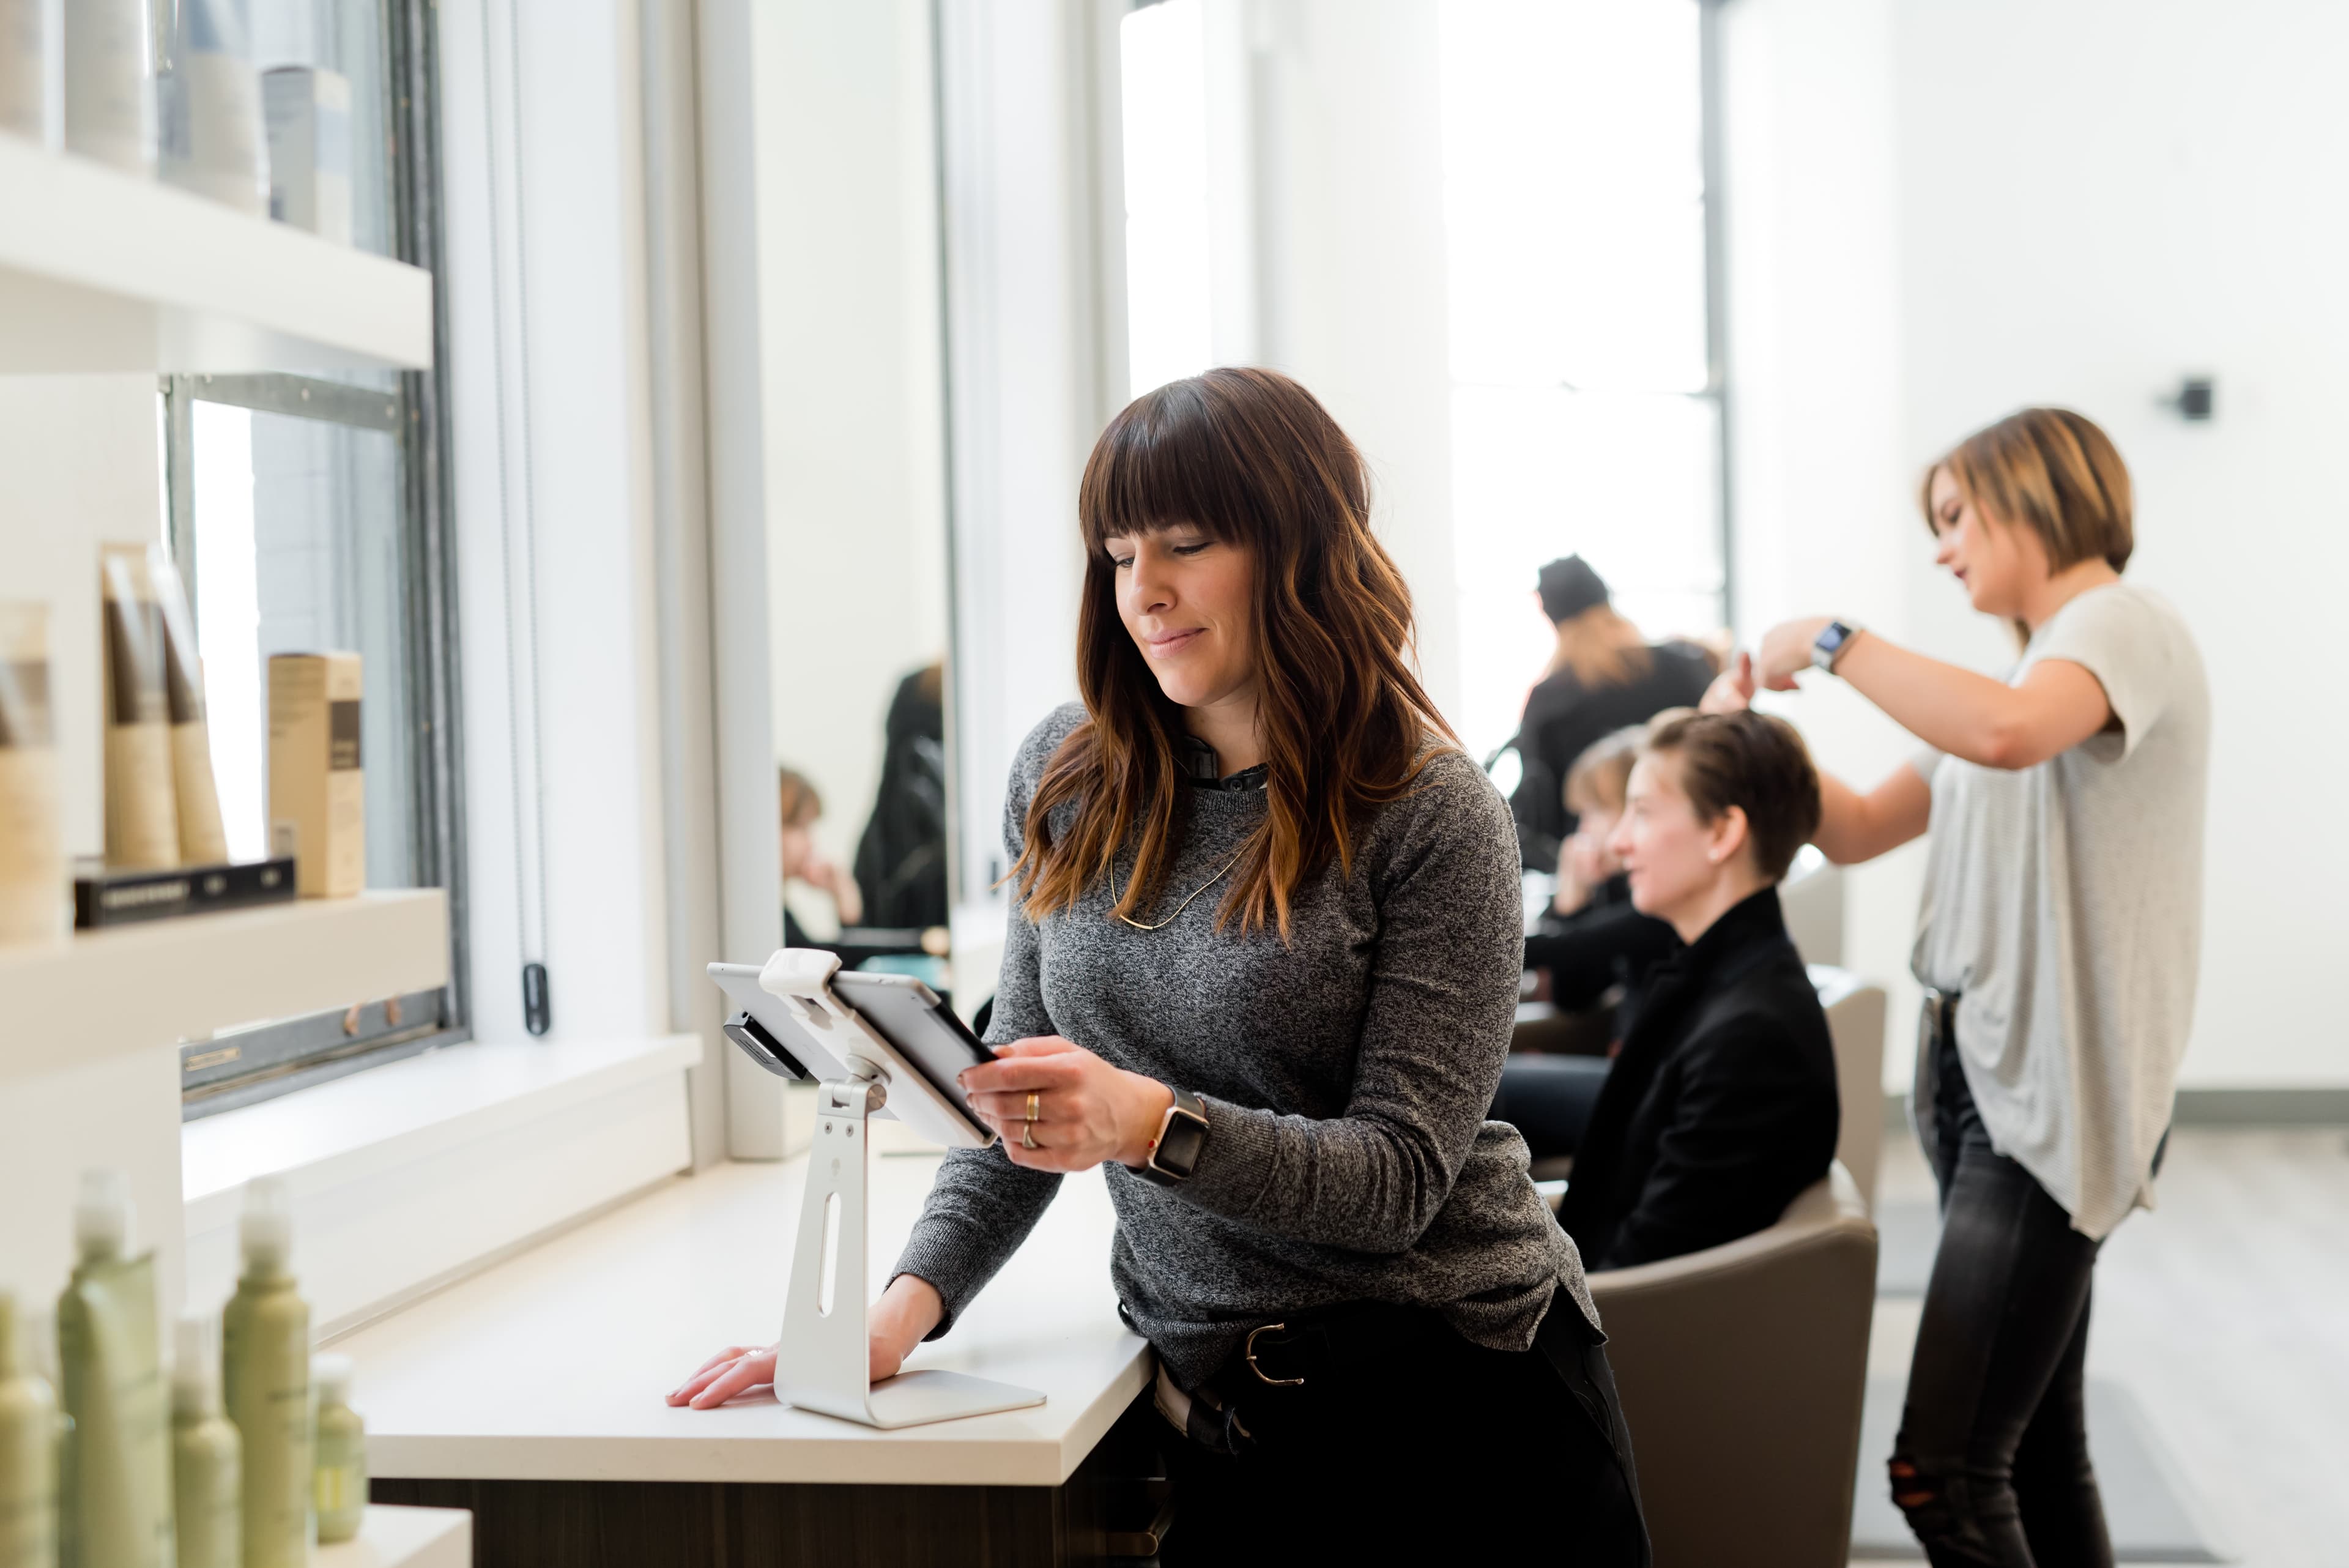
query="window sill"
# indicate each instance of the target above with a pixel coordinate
(414, 1174)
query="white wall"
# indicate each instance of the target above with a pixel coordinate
(1349, 161)
(1823, 493)
(2082, 202)
(855, 411)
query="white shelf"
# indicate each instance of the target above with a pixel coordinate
(103, 272)
(103, 992)
(404, 1538)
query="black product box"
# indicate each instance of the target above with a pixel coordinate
(111, 897)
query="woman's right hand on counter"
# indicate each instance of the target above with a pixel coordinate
(906, 1313)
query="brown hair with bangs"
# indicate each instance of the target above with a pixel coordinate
(1251, 459)
(2050, 470)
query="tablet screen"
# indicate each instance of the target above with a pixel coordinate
(924, 1030)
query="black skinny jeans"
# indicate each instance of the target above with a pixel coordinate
(1992, 1465)
(1433, 1445)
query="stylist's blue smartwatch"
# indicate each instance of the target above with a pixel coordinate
(1830, 645)
(1182, 1134)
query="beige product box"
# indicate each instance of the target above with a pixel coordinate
(315, 796)
(34, 907)
(142, 814)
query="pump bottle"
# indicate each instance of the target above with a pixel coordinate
(28, 1448)
(207, 1472)
(266, 1337)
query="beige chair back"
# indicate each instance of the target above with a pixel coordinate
(1855, 1010)
(1742, 1369)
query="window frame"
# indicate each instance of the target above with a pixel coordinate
(278, 1057)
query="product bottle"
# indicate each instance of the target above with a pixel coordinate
(109, 83)
(342, 1452)
(34, 904)
(265, 1341)
(207, 1474)
(27, 35)
(28, 1450)
(118, 1500)
(209, 109)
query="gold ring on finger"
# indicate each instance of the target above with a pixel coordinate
(1035, 1106)
(1027, 1135)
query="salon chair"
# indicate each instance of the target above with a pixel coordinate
(1741, 1369)
(1855, 1010)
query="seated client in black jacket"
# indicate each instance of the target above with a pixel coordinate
(1721, 1105)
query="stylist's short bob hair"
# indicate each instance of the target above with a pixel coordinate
(1751, 761)
(2050, 470)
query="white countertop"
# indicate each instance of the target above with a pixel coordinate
(554, 1365)
(394, 1537)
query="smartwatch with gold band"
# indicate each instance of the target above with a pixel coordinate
(1182, 1134)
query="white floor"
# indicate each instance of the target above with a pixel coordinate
(2226, 1311)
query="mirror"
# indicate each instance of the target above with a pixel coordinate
(856, 542)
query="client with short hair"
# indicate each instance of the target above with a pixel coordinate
(1721, 1105)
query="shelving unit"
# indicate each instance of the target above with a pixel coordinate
(103, 272)
(133, 987)
(404, 1538)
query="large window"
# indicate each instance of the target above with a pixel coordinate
(1169, 219)
(306, 514)
(1587, 397)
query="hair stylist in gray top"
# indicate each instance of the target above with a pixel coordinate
(1262, 965)
(2059, 940)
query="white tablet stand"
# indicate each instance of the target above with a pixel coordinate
(822, 1362)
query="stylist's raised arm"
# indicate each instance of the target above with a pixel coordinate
(1261, 969)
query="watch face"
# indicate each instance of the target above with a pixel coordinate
(1179, 1148)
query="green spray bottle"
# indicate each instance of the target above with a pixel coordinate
(342, 1452)
(207, 1472)
(28, 1448)
(265, 1341)
(116, 1496)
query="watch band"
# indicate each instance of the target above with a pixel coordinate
(1182, 1135)
(1830, 644)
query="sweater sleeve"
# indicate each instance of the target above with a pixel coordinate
(982, 1206)
(1435, 1026)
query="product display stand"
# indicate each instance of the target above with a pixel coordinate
(822, 1362)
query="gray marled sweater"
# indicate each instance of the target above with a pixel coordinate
(1346, 1078)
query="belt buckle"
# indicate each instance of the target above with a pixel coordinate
(1262, 1374)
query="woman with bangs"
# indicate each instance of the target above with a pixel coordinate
(1262, 965)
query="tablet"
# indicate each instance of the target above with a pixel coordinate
(922, 1046)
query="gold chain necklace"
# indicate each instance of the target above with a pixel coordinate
(1185, 904)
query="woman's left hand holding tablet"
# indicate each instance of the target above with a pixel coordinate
(1087, 1112)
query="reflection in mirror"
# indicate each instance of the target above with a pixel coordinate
(856, 483)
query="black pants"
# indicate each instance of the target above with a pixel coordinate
(1549, 1099)
(1431, 1443)
(1991, 1466)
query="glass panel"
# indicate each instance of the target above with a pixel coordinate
(1169, 314)
(1574, 190)
(1629, 481)
(297, 526)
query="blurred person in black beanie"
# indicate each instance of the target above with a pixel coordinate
(1604, 676)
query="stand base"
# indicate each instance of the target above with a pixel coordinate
(822, 1362)
(915, 1398)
